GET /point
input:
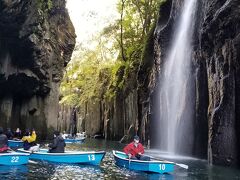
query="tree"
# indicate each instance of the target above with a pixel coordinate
(94, 73)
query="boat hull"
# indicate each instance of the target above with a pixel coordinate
(77, 140)
(161, 167)
(14, 158)
(75, 157)
(15, 144)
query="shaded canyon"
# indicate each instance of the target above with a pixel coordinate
(36, 43)
(37, 39)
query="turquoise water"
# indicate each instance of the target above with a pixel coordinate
(198, 169)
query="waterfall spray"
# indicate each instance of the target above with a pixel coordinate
(176, 106)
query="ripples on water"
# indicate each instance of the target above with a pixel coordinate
(107, 170)
(198, 169)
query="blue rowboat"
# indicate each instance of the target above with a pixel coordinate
(14, 158)
(74, 140)
(156, 166)
(15, 143)
(76, 157)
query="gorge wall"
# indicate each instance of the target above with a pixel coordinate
(215, 66)
(36, 42)
(219, 48)
(215, 72)
(130, 110)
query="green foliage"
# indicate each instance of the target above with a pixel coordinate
(89, 75)
(49, 4)
(138, 16)
(44, 5)
(100, 72)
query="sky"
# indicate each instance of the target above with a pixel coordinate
(91, 16)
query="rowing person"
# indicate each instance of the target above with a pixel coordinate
(9, 134)
(135, 150)
(17, 134)
(58, 144)
(3, 142)
(29, 141)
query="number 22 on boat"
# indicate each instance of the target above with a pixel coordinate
(14, 159)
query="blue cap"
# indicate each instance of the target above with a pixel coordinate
(136, 137)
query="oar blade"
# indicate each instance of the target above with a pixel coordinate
(182, 165)
(32, 162)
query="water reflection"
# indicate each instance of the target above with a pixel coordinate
(198, 169)
(13, 172)
(76, 172)
(107, 170)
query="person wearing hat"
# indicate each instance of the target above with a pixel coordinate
(58, 144)
(135, 150)
(3, 142)
(17, 134)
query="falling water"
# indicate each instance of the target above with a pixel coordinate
(176, 106)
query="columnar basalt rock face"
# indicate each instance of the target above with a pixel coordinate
(129, 112)
(115, 120)
(216, 71)
(36, 39)
(220, 40)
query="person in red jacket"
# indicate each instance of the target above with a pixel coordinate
(135, 150)
(3, 142)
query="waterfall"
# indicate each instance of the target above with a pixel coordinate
(176, 104)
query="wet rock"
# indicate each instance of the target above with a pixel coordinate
(36, 43)
(219, 46)
(215, 67)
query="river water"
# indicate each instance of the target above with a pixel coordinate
(198, 169)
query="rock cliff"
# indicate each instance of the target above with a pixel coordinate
(129, 112)
(36, 42)
(219, 48)
(215, 66)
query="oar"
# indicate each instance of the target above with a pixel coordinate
(129, 161)
(181, 165)
(10, 149)
(33, 162)
(177, 164)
